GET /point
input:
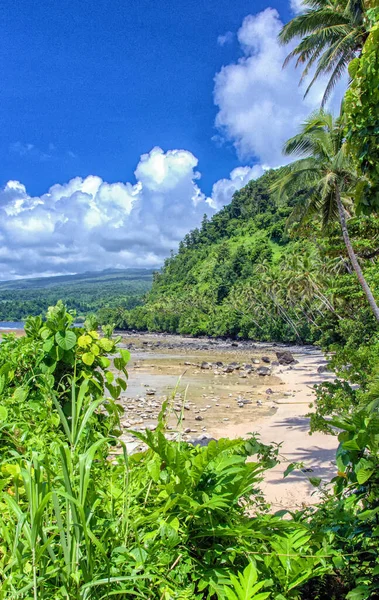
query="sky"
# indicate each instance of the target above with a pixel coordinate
(123, 122)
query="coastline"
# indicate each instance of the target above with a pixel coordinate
(279, 418)
(290, 427)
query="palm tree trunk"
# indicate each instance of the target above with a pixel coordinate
(353, 258)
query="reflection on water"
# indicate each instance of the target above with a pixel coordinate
(212, 397)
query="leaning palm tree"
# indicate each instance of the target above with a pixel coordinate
(327, 174)
(333, 33)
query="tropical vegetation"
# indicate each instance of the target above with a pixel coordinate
(333, 33)
(82, 519)
(85, 293)
(293, 257)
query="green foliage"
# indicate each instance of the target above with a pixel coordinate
(245, 586)
(41, 366)
(85, 293)
(173, 521)
(362, 119)
(332, 33)
(246, 274)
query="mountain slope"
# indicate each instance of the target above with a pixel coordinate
(84, 292)
(228, 276)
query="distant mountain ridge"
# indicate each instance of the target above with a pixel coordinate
(83, 292)
(86, 278)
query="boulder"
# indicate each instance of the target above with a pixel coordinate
(262, 371)
(266, 359)
(203, 440)
(228, 369)
(205, 365)
(285, 357)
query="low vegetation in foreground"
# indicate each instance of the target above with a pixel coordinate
(81, 519)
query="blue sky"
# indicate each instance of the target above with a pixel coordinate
(108, 80)
(123, 122)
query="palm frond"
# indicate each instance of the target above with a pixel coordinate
(332, 32)
(336, 75)
(329, 213)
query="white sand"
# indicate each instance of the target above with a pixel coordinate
(290, 427)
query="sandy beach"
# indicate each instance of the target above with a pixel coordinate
(213, 400)
(290, 427)
(275, 405)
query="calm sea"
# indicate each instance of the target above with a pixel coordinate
(11, 325)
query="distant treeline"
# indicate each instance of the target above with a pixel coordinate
(85, 293)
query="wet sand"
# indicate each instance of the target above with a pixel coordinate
(210, 402)
(207, 402)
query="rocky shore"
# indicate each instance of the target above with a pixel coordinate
(223, 388)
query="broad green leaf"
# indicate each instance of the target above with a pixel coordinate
(104, 362)
(65, 340)
(122, 383)
(364, 470)
(88, 358)
(315, 481)
(106, 344)
(3, 413)
(48, 345)
(125, 354)
(45, 333)
(361, 592)
(84, 341)
(109, 376)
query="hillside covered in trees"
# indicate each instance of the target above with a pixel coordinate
(84, 292)
(252, 272)
(293, 257)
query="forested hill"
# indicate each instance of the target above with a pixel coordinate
(243, 275)
(84, 292)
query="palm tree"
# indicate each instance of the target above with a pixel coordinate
(328, 175)
(333, 33)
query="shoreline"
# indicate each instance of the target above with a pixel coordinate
(290, 427)
(279, 417)
(161, 359)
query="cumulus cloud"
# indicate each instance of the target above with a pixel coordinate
(223, 189)
(89, 224)
(260, 104)
(297, 6)
(226, 38)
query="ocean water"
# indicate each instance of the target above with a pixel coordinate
(11, 325)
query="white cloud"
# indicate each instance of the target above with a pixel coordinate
(260, 103)
(297, 6)
(223, 189)
(226, 38)
(88, 224)
(32, 152)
